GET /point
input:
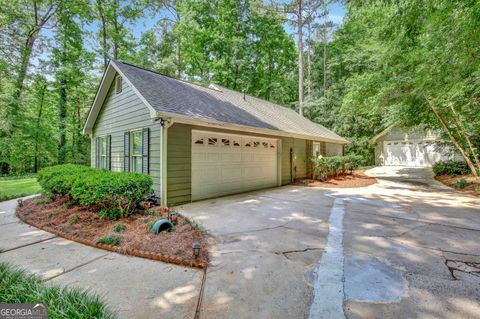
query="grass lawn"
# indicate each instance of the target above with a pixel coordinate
(17, 286)
(18, 187)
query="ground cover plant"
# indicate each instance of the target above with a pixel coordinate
(18, 286)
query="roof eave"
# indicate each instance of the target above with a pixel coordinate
(102, 91)
(178, 118)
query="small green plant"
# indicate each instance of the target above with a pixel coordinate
(114, 213)
(119, 227)
(112, 240)
(461, 184)
(73, 219)
(476, 187)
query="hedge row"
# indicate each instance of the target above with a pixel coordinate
(335, 165)
(116, 193)
(450, 168)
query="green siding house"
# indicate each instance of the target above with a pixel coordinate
(199, 142)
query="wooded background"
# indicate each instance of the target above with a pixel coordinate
(411, 62)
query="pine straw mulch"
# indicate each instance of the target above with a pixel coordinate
(356, 179)
(472, 188)
(175, 247)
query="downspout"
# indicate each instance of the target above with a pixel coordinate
(164, 125)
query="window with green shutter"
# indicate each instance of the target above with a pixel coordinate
(136, 148)
(103, 152)
(136, 154)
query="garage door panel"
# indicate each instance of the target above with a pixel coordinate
(226, 164)
(415, 153)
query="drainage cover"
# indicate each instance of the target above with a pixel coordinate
(161, 225)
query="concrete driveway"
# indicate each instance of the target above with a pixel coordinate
(407, 247)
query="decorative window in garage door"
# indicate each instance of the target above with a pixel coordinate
(213, 139)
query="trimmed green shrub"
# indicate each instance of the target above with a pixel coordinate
(116, 194)
(335, 165)
(450, 168)
(352, 162)
(112, 191)
(58, 180)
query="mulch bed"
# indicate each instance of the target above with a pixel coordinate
(473, 187)
(356, 179)
(87, 227)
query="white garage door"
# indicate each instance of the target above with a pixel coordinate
(226, 164)
(419, 153)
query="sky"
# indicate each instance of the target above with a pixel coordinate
(336, 10)
(336, 15)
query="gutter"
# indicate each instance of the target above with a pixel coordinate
(183, 119)
(165, 123)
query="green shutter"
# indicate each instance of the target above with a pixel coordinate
(145, 149)
(126, 152)
(109, 152)
(97, 152)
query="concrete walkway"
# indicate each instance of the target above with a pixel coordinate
(135, 287)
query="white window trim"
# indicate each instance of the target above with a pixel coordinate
(102, 157)
(132, 156)
(319, 149)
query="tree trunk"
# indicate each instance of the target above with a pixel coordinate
(467, 138)
(300, 56)
(309, 60)
(26, 54)
(115, 26)
(454, 140)
(103, 22)
(178, 70)
(325, 39)
(37, 127)
(62, 114)
(13, 106)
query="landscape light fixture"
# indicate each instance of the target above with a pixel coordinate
(196, 249)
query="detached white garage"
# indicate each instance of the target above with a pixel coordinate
(398, 147)
(226, 163)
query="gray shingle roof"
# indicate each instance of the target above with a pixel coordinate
(166, 94)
